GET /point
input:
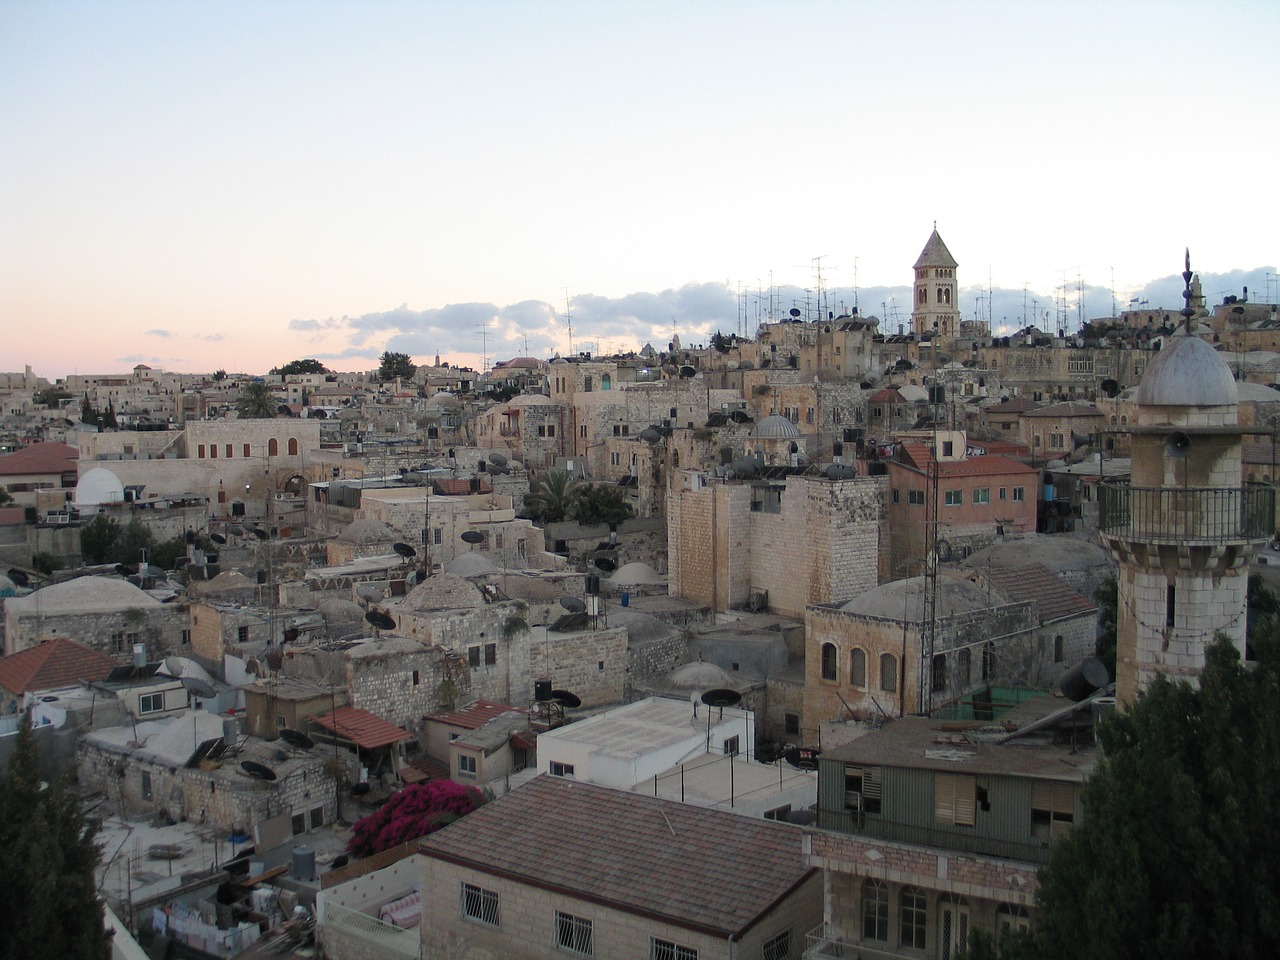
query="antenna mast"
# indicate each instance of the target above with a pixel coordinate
(568, 317)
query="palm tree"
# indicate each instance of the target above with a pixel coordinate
(256, 402)
(550, 502)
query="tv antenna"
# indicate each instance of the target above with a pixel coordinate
(568, 319)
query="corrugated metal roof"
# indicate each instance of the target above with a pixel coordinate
(361, 727)
(704, 870)
(474, 715)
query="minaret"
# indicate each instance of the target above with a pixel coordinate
(1184, 528)
(937, 302)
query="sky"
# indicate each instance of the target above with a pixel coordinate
(234, 184)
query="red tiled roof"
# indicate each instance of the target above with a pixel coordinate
(887, 395)
(919, 456)
(361, 727)
(704, 870)
(1053, 598)
(457, 486)
(53, 664)
(474, 715)
(1018, 404)
(40, 458)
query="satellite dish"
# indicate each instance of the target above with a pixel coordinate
(566, 699)
(499, 469)
(573, 604)
(794, 311)
(217, 538)
(383, 621)
(472, 536)
(236, 529)
(404, 549)
(1177, 445)
(18, 577)
(687, 373)
(606, 564)
(721, 697)
(497, 459)
(802, 758)
(199, 688)
(259, 771)
(367, 591)
(650, 434)
(291, 634)
(297, 739)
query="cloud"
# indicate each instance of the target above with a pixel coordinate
(314, 326)
(161, 333)
(214, 338)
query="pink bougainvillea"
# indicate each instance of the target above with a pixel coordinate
(415, 811)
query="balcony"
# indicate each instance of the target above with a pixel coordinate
(379, 937)
(823, 943)
(1190, 515)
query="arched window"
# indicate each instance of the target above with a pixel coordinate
(273, 447)
(675, 459)
(946, 293)
(875, 910)
(939, 673)
(858, 667)
(924, 295)
(606, 382)
(828, 661)
(293, 446)
(912, 917)
(889, 673)
(964, 666)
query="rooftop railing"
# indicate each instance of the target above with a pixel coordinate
(1193, 515)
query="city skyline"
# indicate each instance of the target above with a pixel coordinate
(233, 186)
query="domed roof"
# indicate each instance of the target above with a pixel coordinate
(366, 530)
(470, 564)
(1187, 373)
(636, 573)
(774, 427)
(904, 599)
(530, 400)
(99, 485)
(700, 676)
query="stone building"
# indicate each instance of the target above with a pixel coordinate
(936, 303)
(783, 545)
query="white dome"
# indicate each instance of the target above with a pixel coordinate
(1187, 373)
(98, 486)
(774, 427)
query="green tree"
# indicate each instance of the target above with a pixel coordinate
(98, 539)
(1107, 597)
(165, 554)
(48, 856)
(392, 365)
(1177, 854)
(256, 402)
(300, 366)
(44, 562)
(600, 503)
(6, 497)
(134, 538)
(219, 375)
(551, 500)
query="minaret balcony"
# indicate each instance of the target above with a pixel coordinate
(1189, 516)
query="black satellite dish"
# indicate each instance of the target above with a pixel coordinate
(650, 434)
(566, 699)
(236, 529)
(721, 697)
(687, 372)
(383, 621)
(259, 533)
(472, 536)
(19, 578)
(404, 549)
(606, 564)
(573, 604)
(199, 687)
(497, 459)
(802, 758)
(296, 738)
(259, 771)
(794, 311)
(217, 538)
(367, 591)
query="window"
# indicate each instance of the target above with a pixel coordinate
(982, 495)
(895, 496)
(889, 673)
(791, 724)
(1004, 493)
(273, 447)
(1009, 919)
(317, 818)
(1017, 495)
(777, 947)
(858, 667)
(955, 498)
(1057, 649)
(912, 917)
(558, 769)
(1170, 605)
(466, 765)
(938, 673)
(490, 654)
(200, 452)
(242, 634)
(953, 799)
(779, 813)
(988, 661)
(299, 823)
(666, 950)
(915, 498)
(151, 703)
(948, 448)
(437, 537)
(862, 789)
(480, 905)
(293, 446)
(473, 657)
(213, 451)
(828, 661)
(246, 450)
(416, 678)
(731, 746)
(574, 933)
(1053, 808)
(964, 667)
(875, 910)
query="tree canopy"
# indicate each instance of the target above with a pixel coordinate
(1178, 852)
(392, 365)
(551, 500)
(600, 503)
(48, 856)
(415, 811)
(294, 367)
(256, 402)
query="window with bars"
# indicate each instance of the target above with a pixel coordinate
(875, 910)
(778, 947)
(828, 661)
(574, 934)
(953, 799)
(490, 654)
(667, 950)
(480, 905)
(858, 667)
